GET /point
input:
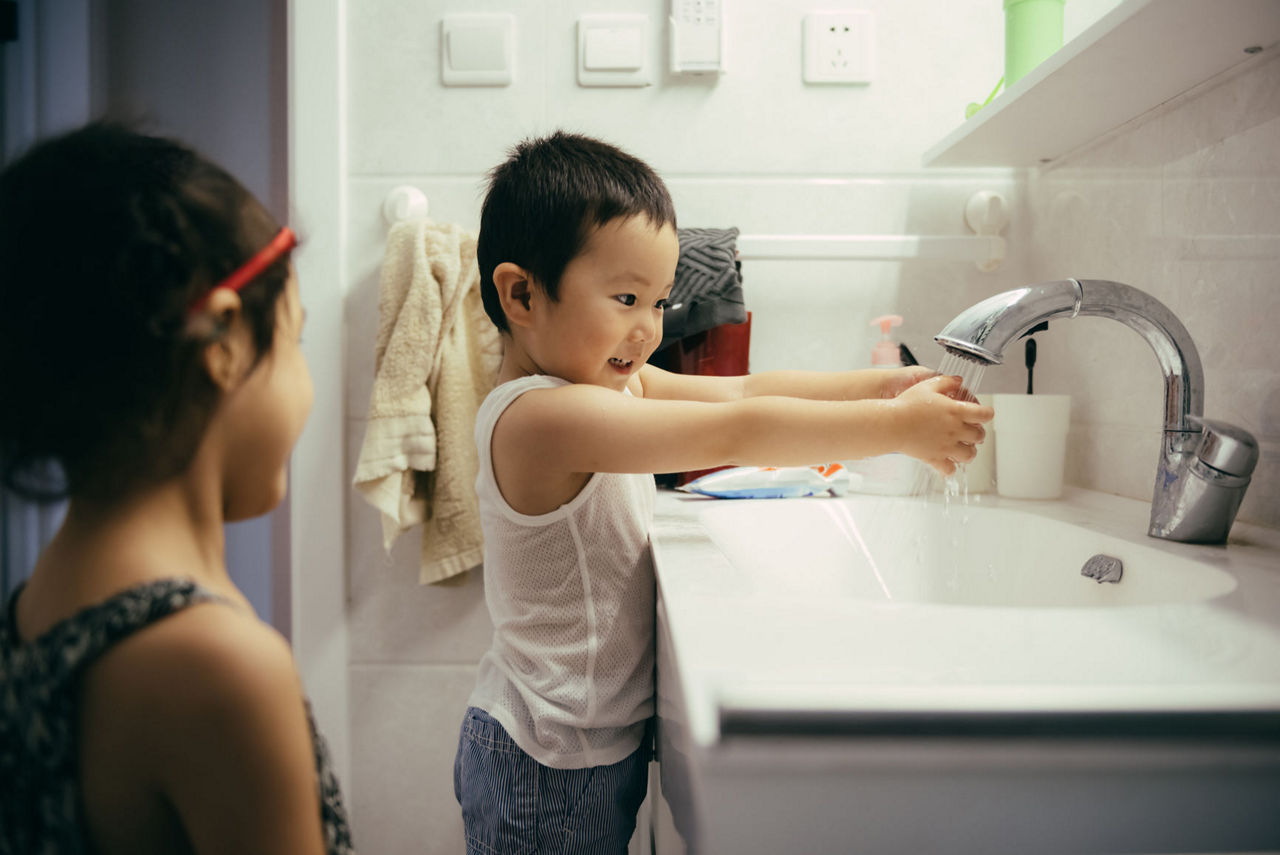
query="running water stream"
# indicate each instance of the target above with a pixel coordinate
(970, 372)
(900, 520)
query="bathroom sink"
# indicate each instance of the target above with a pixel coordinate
(832, 670)
(945, 551)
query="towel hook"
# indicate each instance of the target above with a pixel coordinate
(404, 202)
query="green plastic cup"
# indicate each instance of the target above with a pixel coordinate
(1032, 32)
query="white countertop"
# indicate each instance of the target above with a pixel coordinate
(743, 639)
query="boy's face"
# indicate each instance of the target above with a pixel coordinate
(608, 320)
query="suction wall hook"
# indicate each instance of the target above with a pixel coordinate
(987, 213)
(404, 202)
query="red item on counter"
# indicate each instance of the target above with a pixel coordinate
(720, 352)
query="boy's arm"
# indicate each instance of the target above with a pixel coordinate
(815, 385)
(584, 428)
(857, 385)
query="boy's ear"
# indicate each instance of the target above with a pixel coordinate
(228, 351)
(515, 291)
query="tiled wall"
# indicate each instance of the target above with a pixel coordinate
(755, 149)
(1183, 203)
(413, 648)
(760, 150)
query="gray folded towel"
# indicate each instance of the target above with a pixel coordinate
(708, 285)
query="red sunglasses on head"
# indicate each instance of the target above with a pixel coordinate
(284, 241)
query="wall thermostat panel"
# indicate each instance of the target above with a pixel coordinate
(697, 36)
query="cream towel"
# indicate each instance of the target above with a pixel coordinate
(436, 358)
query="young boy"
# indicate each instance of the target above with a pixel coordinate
(577, 254)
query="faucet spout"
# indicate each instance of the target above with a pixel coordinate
(1199, 486)
(982, 331)
(985, 329)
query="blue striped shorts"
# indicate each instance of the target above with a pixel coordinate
(512, 804)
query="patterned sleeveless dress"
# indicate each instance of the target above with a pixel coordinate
(40, 809)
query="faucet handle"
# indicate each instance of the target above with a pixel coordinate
(1225, 447)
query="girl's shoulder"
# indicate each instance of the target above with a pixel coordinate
(207, 708)
(165, 645)
(140, 619)
(204, 688)
(212, 651)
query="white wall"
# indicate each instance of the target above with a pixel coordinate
(760, 150)
(1183, 203)
(757, 149)
(316, 578)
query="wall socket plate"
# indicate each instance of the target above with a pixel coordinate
(839, 47)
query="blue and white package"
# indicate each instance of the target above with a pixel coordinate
(772, 482)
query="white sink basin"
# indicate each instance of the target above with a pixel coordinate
(943, 552)
(832, 670)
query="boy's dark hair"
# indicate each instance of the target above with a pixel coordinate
(107, 237)
(549, 195)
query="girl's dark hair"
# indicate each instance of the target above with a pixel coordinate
(107, 237)
(545, 200)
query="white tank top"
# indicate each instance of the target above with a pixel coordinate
(571, 595)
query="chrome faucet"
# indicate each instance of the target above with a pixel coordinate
(1205, 465)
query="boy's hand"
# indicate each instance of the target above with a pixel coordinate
(938, 425)
(895, 381)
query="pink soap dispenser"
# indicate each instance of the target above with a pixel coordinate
(886, 354)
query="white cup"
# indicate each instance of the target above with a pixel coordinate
(1031, 444)
(979, 473)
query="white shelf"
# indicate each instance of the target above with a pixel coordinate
(1135, 58)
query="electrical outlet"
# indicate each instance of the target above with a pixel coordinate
(839, 47)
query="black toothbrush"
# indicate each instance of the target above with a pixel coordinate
(1031, 362)
(1030, 358)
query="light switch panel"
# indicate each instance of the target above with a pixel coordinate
(613, 50)
(477, 50)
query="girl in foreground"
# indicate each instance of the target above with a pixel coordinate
(151, 373)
